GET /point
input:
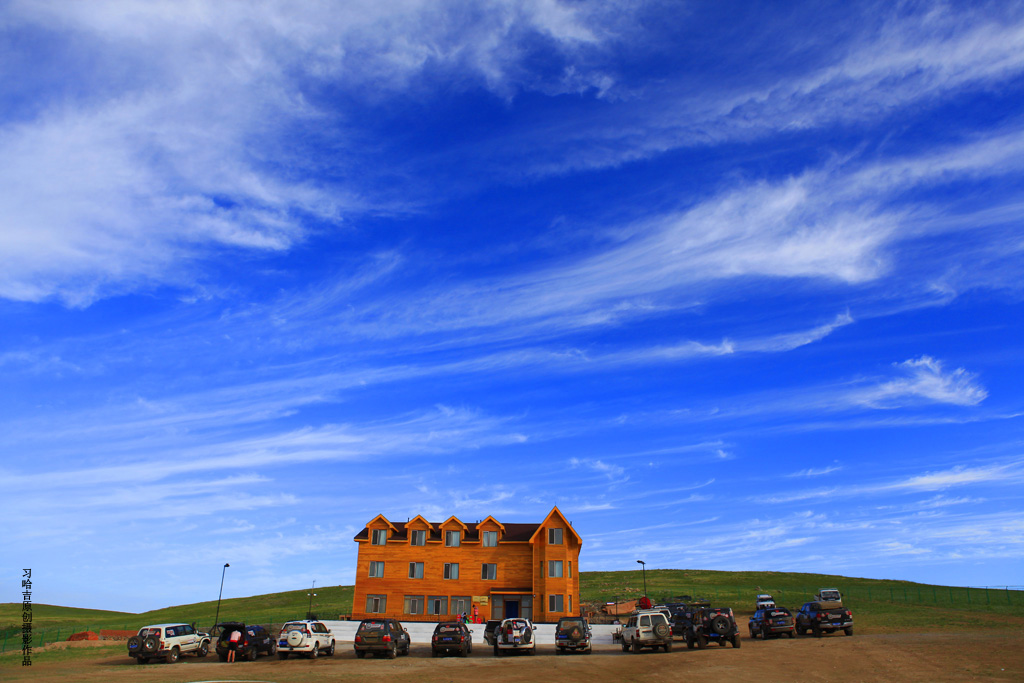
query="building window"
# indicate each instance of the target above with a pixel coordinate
(376, 604)
(569, 598)
(452, 538)
(554, 537)
(376, 570)
(490, 539)
(489, 572)
(437, 604)
(419, 537)
(380, 537)
(526, 606)
(555, 568)
(554, 603)
(570, 569)
(414, 604)
(462, 603)
(451, 570)
(415, 570)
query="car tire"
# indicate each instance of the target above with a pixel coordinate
(174, 655)
(764, 633)
(497, 651)
(282, 655)
(735, 640)
(689, 641)
(254, 652)
(392, 653)
(702, 642)
(625, 645)
(330, 651)
(635, 645)
(848, 631)
(668, 647)
(816, 631)
(315, 652)
(791, 634)
(142, 660)
(360, 654)
(273, 649)
(204, 649)
(222, 657)
(801, 631)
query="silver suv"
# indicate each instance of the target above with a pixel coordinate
(307, 637)
(647, 628)
(167, 641)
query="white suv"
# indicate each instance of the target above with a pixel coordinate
(308, 637)
(647, 628)
(515, 635)
(168, 641)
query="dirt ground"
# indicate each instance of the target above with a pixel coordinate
(889, 657)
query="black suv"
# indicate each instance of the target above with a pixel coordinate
(818, 619)
(381, 637)
(254, 639)
(451, 636)
(703, 625)
(771, 622)
(489, 629)
(572, 634)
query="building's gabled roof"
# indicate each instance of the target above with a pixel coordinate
(555, 512)
(420, 518)
(455, 519)
(513, 532)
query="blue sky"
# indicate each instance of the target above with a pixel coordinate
(737, 286)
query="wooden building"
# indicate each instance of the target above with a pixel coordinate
(433, 571)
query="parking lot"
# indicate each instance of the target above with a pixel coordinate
(893, 657)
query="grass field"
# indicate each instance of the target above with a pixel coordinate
(880, 606)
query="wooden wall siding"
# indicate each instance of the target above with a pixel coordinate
(519, 566)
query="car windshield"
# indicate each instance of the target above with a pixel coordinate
(371, 626)
(447, 628)
(570, 623)
(777, 613)
(149, 631)
(294, 624)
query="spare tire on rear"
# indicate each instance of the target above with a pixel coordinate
(661, 630)
(134, 644)
(720, 625)
(151, 643)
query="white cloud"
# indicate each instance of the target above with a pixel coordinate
(925, 380)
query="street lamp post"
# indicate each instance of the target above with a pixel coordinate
(309, 612)
(221, 594)
(643, 568)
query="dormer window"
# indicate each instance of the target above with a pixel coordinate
(490, 539)
(452, 538)
(418, 537)
(379, 537)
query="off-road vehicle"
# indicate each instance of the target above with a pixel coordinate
(489, 628)
(710, 624)
(771, 622)
(252, 640)
(307, 637)
(764, 601)
(647, 628)
(451, 636)
(381, 637)
(167, 641)
(515, 635)
(572, 634)
(818, 618)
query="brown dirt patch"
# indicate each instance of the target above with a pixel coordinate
(933, 657)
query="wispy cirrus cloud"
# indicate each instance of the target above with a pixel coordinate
(924, 381)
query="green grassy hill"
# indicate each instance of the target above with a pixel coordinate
(878, 606)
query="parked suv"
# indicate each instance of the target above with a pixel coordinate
(771, 622)
(647, 628)
(710, 624)
(817, 618)
(572, 634)
(254, 640)
(515, 635)
(307, 637)
(169, 641)
(381, 637)
(451, 636)
(764, 601)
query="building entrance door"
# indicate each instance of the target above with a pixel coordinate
(511, 609)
